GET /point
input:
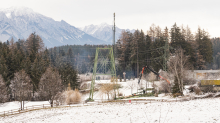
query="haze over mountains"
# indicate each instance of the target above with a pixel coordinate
(20, 22)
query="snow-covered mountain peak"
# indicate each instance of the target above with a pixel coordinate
(102, 31)
(104, 25)
(17, 11)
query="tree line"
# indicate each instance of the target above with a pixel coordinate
(135, 50)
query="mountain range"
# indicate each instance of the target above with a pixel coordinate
(20, 22)
(103, 31)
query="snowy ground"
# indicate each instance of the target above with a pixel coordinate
(125, 90)
(203, 110)
(16, 105)
(194, 111)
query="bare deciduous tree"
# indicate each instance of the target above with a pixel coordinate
(107, 89)
(21, 86)
(50, 84)
(178, 65)
(131, 85)
(3, 91)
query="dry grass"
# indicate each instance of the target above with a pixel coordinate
(68, 97)
(107, 89)
(73, 97)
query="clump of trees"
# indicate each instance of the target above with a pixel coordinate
(28, 69)
(178, 66)
(107, 89)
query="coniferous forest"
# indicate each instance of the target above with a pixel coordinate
(135, 50)
(29, 58)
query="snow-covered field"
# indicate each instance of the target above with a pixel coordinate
(16, 105)
(202, 110)
(194, 111)
(125, 90)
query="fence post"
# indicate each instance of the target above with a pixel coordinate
(43, 105)
(4, 113)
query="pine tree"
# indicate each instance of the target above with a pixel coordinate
(37, 69)
(4, 70)
(178, 41)
(204, 49)
(68, 75)
(142, 50)
(3, 91)
(176, 37)
(34, 45)
(148, 47)
(135, 52)
(123, 49)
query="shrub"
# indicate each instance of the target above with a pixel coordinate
(73, 97)
(68, 97)
(107, 89)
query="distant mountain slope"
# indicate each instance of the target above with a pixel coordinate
(103, 32)
(20, 22)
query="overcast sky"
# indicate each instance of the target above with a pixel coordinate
(131, 14)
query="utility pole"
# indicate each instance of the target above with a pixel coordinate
(114, 30)
(137, 61)
(113, 41)
(114, 47)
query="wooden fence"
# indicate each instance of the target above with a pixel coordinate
(44, 106)
(26, 109)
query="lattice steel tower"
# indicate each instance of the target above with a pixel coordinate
(104, 63)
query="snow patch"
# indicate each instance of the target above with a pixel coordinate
(8, 15)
